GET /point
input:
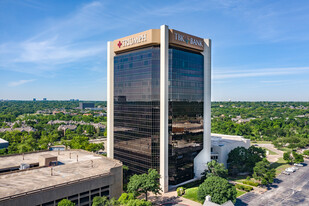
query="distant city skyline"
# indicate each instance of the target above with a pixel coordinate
(57, 49)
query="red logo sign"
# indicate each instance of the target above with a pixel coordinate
(119, 44)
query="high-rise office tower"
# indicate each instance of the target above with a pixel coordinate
(158, 104)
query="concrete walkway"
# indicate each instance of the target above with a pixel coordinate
(171, 197)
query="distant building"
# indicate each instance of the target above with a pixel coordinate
(65, 127)
(3, 143)
(57, 148)
(84, 105)
(45, 178)
(21, 129)
(44, 99)
(221, 145)
(34, 99)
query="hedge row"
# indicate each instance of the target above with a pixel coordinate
(249, 182)
(244, 187)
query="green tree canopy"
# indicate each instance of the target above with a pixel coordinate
(218, 188)
(263, 172)
(144, 183)
(241, 159)
(100, 201)
(214, 169)
(66, 202)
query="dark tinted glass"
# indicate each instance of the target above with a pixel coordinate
(137, 109)
(186, 95)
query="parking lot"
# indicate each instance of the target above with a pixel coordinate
(287, 190)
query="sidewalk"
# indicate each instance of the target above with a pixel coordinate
(171, 197)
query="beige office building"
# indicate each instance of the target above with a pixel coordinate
(158, 103)
(45, 178)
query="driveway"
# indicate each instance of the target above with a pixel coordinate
(272, 158)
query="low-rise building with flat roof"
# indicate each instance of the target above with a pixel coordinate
(221, 145)
(45, 178)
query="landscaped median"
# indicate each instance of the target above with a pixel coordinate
(191, 194)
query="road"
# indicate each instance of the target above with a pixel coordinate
(272, 158)
(287, 190)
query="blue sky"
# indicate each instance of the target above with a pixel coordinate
(57, 49)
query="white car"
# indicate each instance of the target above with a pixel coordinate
(296, 168)
(298, 164)
(290, 170)
(285, 173)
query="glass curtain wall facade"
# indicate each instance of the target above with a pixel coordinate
(137, 109)
(186, 95)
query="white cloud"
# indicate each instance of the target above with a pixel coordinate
(232, 74)
(20, 82)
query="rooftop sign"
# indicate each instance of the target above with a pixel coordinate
(149, 37)
(185, 40)
(152, 37)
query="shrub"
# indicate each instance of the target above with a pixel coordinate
(66, 202)
(125, 198)
(180, 191)
(138, 202)
(218, 188)
(249, 182)
(306, 152)
(244, 187)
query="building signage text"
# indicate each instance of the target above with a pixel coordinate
(132, 41)
(188, 40)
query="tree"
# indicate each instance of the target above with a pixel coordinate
(306, 152)
(100, 201)
(125, 197)
(241, 159)
(298, 158)
(293, 157)
(66, 202)
(287, 157)
(218, 188)
(214, 169)
(145, 183)
(263, 172)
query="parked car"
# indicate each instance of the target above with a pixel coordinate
(295, 168)
(299, 164)
(290, 169)
(285, 173)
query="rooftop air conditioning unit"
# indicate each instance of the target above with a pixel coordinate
(24, 166)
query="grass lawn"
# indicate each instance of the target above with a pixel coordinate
(285, 149)
(271, 152)
(260, 142)
(237, 178)
(191, 194)
(280, 165)
(240, 192)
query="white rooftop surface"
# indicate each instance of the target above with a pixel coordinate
(3, 141)
(226, 139)
(24, 181)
